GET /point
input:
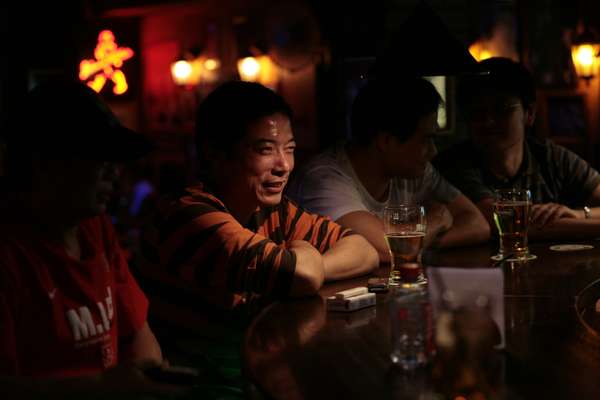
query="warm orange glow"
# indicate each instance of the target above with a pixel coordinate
(585, 59)
(479, 52)
(500, 41)
(191, 73)
(249, 69)
(211, 64)
(259, 69)
(108, 59)
(181, 71)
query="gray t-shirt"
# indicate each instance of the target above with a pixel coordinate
(552, 173)
(328, 185)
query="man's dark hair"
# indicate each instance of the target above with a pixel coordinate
(222, 119)
(395, 106)
(497, 75)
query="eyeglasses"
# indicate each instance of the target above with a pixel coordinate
(480, 113)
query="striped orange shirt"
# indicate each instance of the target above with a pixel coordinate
(195, 242)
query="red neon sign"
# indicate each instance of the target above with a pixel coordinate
(108, 60)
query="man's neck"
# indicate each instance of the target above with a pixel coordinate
(55, 226)
(369, 171)
(505, 163)
(65, 234)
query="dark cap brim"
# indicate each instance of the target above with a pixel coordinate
(68, 119)
(125, 146)
(117, 144)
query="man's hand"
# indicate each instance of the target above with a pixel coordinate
(310, 270)
(439, 221)
(547, 213)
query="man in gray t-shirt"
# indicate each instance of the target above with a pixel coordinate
(387, 162)
(329, 186)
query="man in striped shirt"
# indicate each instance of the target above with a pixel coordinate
(235, 235)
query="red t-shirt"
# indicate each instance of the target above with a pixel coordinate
(62, 317)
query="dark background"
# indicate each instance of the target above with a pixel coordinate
(42, 39)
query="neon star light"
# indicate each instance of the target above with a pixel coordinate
(108, 60)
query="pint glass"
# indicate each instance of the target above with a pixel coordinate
(511, 215)
(404, 227)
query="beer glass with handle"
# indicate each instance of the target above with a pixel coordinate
(511, 215)
(404, 228)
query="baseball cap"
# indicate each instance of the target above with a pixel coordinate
(68, 119)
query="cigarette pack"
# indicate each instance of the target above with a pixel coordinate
(351, 303)
(352, 320)
(344, 294)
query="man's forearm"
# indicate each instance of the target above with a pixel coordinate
(142, 347)
(466, 230)
(568, 228)
(350, 256)
(309, 274)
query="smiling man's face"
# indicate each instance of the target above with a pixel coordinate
(263, 160)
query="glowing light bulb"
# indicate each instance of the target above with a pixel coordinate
(249, 69)
(211, 64)
(181, 72)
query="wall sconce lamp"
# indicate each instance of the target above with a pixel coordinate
(194, 68)
(255, 66)
(181, 72)
(248, 68)
(585, 49)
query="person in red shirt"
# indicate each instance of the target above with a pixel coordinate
(70, 311)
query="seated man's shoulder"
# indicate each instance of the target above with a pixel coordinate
(195, 197)
(326, 166)
(177, 210)
(328, 160)
(545, 146)
(198, 194)
(554, 155)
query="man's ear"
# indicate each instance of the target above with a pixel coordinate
(530, 113)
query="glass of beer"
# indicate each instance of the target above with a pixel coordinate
(404, 228)
(511, 215)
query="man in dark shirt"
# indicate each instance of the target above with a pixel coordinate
(500, 107)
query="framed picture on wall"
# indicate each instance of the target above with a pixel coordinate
(563, 118)
(566, 116)
(562, 114)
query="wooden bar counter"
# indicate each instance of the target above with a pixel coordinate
(299, 350)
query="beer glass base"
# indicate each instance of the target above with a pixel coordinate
(421, 281)
(527, 257)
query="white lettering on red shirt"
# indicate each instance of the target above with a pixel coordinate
(82, 323)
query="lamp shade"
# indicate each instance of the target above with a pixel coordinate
(423, 45)
(584, 53)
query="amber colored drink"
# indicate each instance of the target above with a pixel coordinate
(404, 251)
(512, 221)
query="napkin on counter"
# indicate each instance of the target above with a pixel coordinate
(451, 288)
